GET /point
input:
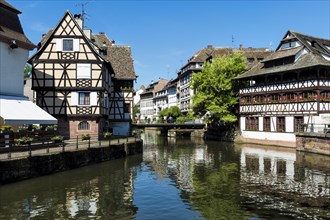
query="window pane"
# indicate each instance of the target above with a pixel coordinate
(67, 45)
(84, 98)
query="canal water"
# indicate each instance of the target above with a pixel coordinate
(181, 178)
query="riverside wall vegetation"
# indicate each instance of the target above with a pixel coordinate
(29, 167)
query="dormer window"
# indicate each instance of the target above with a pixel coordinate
(250, 60)
(103, 52)
(67, 44)
(290, 44)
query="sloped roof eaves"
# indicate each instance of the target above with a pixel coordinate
(47, 38)
(120, 57)
(283, 53)
(307, 61)
(9, 6)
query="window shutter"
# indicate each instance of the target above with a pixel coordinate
(59, 44)
(74, 98)
(76, 45)
(83, 71)
(93, 97)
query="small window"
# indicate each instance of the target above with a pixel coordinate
(280, 124)
(84, 125)
(250, 59)
(67, 44)
(299, 124)
(127, 108)
(84, 98)
(266, 123)
(103, 52)
(252, 124)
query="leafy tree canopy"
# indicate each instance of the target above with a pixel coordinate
(216, 88)
(173, 111)
(27, 71)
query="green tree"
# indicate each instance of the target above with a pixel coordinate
(27, 71)
(216, 87)
(173, 111)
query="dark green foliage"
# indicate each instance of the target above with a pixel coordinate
(216, 88)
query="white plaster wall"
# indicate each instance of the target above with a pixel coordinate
(289, 124)
(274, 136)
(120, 128)
(12, 62)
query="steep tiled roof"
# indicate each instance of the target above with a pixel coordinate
(10, 27)
(120, 57)
(315, 48)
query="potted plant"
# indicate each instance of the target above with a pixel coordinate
(107, 135)
(23, 141)
(57, 139)
(6, 129)
(85, 137)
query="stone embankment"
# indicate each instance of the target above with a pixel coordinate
(313, 142)
(12, 170)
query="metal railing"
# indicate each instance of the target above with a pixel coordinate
(52, 147)
(316, 128)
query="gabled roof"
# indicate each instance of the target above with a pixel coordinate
(10, 27)
(120, 57)
(313, 46)
(48, 37)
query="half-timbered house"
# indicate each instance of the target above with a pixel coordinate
(287, 92)
(121, 90)
(71, 79)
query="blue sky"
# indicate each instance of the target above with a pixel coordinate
(165, 34)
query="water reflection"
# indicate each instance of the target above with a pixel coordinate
(181, 178)
(227, 181)
(99, 191)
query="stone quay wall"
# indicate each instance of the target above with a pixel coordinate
(29, 167)
(313, 142)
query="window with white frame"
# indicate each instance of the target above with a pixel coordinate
(67, 44)
(84, 98)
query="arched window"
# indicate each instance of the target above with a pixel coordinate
(84, 125)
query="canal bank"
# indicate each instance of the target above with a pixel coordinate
(12, 170)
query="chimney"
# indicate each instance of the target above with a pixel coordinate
(241, 47)
(79, 20)
(209, 46)
(88, 33)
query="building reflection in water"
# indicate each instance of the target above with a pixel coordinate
(103, 191)
(287, 182)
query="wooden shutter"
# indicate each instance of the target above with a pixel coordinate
(74, 98)
(59, 44)
(76, 45)
(83, 71)
(93, 97)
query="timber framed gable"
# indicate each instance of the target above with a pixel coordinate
(69, 76)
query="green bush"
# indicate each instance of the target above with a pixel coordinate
(23, 140)
(57, 138)
(6, 128)
(85, 137)
(107, 134)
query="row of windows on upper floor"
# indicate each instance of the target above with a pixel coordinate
(288, 97)
(185, 80)
(198, 65)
